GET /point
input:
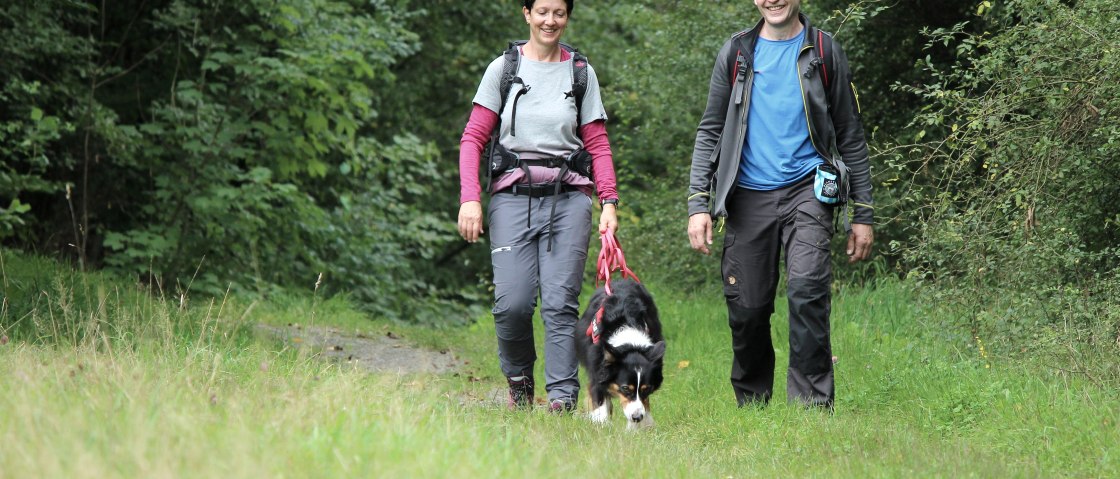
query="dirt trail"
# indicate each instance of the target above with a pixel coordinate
(386, 353)
(377, 354)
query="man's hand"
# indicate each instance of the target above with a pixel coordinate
(470, 220)
(700, 232)
(859, 242)
(608, 219)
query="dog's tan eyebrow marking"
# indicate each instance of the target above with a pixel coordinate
(630, 336)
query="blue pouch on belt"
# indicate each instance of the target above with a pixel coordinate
(831, 183)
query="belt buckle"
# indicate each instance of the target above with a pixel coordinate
(525, 190)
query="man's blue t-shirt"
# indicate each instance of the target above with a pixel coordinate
(777, 152)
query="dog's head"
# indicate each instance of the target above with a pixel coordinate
(633, 364)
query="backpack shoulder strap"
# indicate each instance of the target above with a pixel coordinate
(579, 77)
(824, 53)
(511, 59)
(509, 71)
(740, 62)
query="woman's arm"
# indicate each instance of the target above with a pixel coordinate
(595, 141)
(475, 136)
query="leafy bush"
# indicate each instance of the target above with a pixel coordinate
(218, 145)
(1014, 208)
(38, 110)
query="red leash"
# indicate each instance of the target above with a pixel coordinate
(610, 260)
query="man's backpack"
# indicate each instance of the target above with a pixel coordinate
(824, 58)
(742, 61)
(497, 158)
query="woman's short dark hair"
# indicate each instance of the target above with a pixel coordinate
(571, 4)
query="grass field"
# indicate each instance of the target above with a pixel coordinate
(100, 380)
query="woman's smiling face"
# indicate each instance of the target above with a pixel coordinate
(547, 20)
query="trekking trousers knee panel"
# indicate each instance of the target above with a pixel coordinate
(809, 311)
(748, 320)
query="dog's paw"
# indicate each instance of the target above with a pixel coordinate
(599, 415)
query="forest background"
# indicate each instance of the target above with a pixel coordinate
(267, 146)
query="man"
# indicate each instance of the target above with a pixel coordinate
(773, 116)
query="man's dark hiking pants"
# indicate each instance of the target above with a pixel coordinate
(760, 225)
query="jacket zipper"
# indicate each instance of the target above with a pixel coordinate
(745, 101)
(740, 137)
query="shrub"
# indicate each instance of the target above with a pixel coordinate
(1014, 207)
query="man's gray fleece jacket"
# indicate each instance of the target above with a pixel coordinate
(835, 128)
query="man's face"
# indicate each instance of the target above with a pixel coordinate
(779, 13)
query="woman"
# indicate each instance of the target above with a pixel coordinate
(540, 209)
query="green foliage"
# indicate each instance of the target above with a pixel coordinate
(257, 138)
(882, 39)
(38, 110)
(1013, 205)
(217, 145)
(459, 40)
(652, 230)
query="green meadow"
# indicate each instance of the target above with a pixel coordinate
(100, 378)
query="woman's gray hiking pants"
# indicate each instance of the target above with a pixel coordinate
(523, 266)
(760, 225)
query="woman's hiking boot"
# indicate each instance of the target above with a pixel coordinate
(520, 392)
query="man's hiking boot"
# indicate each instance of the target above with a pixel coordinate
(520, 392)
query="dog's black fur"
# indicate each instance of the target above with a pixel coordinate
(615, 369)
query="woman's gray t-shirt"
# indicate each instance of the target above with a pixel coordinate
(545, 115)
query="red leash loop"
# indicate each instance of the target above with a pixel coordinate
(610, 260)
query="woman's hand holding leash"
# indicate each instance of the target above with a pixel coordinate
(608, 219)
(470, 220)
(610, 260)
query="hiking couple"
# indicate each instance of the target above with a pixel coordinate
(779, 149)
